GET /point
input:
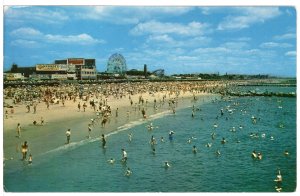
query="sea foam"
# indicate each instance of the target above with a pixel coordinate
(125, 127)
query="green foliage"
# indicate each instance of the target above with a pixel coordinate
(14, 68)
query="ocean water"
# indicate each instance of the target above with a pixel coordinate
(83, 167)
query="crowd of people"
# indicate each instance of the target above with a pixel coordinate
(96, 98)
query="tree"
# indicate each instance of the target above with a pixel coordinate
(14, 68)
(145, 70)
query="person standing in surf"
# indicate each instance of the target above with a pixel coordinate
(19, 130)
(130, 137)
(24, 150)
(89, 131)
(68, 134)
(30, 159)
(144, 113)
(124, 155)
(103, 139)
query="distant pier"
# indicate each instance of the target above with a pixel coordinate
(253, 93)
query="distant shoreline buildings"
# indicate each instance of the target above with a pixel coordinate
(65, 69)
(79, 69)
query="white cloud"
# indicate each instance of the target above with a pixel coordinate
(32, 35)
(285, 36)
(235, 45)
(155, 52)
(165, 41)
(252, 52)
(174, 10)
(111, 14)
(186, 58)
(117, 50)
(35, 13)
(243, 39)
(155, 27)
(248, 16)
(160, 38)
(128, 15)
(82, 39)
(291, 53)
(211, 9)
(25, 43)
(26, 32)
(239, 52)
(275, 45)
(211, 50)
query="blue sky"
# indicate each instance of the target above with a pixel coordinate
(187, 39)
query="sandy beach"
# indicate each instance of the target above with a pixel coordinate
(63, 115)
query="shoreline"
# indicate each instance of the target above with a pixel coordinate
(50, 136)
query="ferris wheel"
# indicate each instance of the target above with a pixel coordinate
(116, 64)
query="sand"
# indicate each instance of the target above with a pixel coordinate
(58, 118)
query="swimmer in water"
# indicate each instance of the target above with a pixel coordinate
(278, 189)
(162, 139)
(208, 145)
(213, 135)
(223, 141)
(278, 181)
(152, 140)
(278, 177)
(286, 153)
(254, 155)
(171, 133)
(189, 140)
(153, 151)
(218, 152)
(111, 161)
(130, 137)
(30, 159)
(167, 165)
(150, 127)
(194, 150)
(259, 156)
(124, 155)
(128, 172)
